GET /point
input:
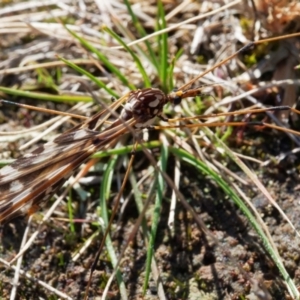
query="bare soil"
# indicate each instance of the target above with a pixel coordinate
(191, 265)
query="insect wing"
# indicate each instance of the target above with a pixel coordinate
(35, 176)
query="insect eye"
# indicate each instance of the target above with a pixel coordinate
(177, 100)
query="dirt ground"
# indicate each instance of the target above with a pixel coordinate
(191, 266)
(190, 263)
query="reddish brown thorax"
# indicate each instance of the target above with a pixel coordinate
(143, 105)
(146, 104)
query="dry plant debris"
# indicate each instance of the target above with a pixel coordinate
(187, 265)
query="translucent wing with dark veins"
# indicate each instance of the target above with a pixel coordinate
(35, 176)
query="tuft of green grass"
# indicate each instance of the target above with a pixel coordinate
(178, 140)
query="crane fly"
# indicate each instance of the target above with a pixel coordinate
(34, 177)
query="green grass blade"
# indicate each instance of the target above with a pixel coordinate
(102, 58)
(46, 97)
(45, 79)
(163, 48)
(170, 74)
(105, 189)
(142, 33)
(71, 213)
(139, 65)
(156, 214)
(80, 70)
(127, 149)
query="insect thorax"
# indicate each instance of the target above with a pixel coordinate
(144, 105)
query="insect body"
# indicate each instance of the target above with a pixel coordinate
(35, 176)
